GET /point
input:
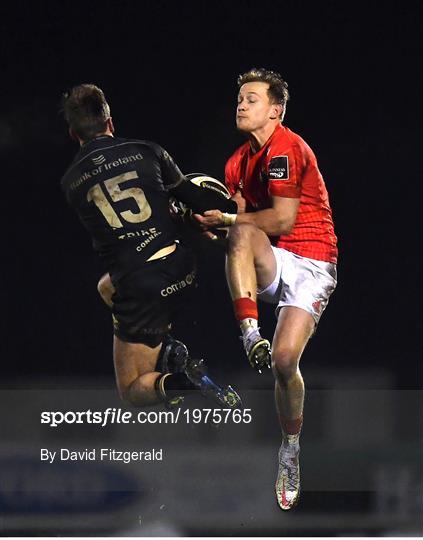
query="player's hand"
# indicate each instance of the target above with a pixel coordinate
(210, 219)
(217, 235)
(209, 235)
(240, 202)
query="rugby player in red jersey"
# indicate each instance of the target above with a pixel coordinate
(282, 250)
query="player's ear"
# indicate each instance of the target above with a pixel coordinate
(72, 135)
(276, 111)
(110, 125)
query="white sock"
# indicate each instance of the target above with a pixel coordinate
(248, 325)
(292, 441)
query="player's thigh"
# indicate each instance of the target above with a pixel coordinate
(249, 237)
(294, 328)
(264, 260)
(132, 360)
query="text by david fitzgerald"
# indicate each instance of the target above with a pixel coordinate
(101, 454)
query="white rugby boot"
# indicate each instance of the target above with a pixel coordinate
(288, 480)
(257, 349)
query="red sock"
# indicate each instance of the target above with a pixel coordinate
(245, 308)
(292, 427)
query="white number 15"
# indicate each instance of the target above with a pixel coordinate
(96, 195)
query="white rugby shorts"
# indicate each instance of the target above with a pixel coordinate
(300, 282)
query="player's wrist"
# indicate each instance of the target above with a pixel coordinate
(228, 219)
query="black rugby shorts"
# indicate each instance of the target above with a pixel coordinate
(146, 300)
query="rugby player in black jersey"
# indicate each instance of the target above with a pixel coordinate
(120, 189)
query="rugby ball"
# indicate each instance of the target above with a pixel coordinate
(208, 182)
(180, 210)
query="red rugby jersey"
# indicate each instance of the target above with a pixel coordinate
(287, 167)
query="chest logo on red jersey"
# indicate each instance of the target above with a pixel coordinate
(279, 168)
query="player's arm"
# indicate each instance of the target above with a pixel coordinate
(240, 201)
(201, 200)
(195, 197)
(285, 172)
(274, 221)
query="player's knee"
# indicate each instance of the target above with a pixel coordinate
(105, 289)
(131, 398)
(284, 362)
(124, 394)
(241, 234)
(102, 286)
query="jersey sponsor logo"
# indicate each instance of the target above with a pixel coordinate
(87, 175)
(148, 240)
(279, 168)
(99, 160)
(149, 233)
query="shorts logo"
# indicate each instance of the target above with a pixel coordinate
(175, 287)
(154, 331)
(317, 306)
(279, 168)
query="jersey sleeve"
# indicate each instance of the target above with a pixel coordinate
(231, 182)
(200, 199)
(285, 172)
(171, 174)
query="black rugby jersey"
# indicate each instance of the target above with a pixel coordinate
(119, 188)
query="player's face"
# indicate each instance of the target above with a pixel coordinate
(254, 110)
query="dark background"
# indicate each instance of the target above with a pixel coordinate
(169, 72)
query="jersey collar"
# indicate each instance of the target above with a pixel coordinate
(95, 139)
(266, 144)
